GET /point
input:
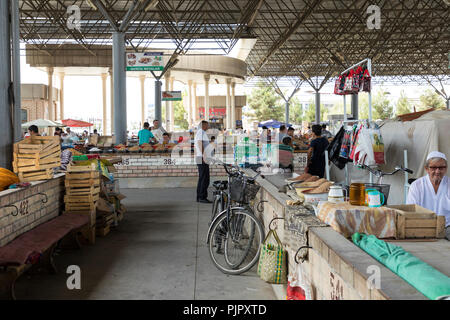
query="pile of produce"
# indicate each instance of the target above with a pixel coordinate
(7, 178)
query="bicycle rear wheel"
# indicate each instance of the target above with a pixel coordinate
(234, 247)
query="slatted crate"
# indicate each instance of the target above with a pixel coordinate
(414, 221)
(82, 190)
(35, 157)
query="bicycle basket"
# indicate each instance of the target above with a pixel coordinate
(242, 194)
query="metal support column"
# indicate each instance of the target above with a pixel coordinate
(286, 116)
(233, 105)
(158, 100)
(207, 77)
(355, 106)
(317, 107)
(6, 138)
(120, 88)
(15, 35)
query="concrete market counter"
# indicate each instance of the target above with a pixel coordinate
(159, 170)
(335, 267)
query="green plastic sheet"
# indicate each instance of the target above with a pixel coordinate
(426, 279)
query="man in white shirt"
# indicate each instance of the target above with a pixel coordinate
(158, 131)
(201, 143)
(433, 190)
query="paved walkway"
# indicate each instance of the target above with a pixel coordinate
(157, 252)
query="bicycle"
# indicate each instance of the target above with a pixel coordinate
(235, 234)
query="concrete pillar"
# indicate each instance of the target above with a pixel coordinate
(228, 107)
(61, 95)
(206, 77)
(143, 108)
(120, 88)
(158, 100)
(15, 41)
(233, 106)
(50, 93)
(317, 107)
(355, 106)
(6, 137)
(172, 118)
(189, 106)
(196, 117)
(105, 122)
(166, 88)
(111, 104)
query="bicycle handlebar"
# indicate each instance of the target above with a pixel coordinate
(380, 173)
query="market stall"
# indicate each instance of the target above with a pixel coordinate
(324, 261)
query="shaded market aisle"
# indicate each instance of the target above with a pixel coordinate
(158, 252)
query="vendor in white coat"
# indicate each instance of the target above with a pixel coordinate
(433, 190)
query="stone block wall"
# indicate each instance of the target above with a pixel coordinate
(31, 210)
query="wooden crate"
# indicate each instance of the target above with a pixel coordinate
(89, 168)
(81, 199)
(85, 191)
(80, 206)
(35, 157)
(414, 221)
(35, 175)
(103, 231)
(74, 176)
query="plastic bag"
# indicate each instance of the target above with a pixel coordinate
(299, 287)
(334, 149)
(369, 148)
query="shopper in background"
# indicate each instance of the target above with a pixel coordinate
(58, 131)
(33, 130)
(433, 190)
(282, 133)
(201, 143)
(325, 133)
(316, 153)
(145, 135)
(286, 154)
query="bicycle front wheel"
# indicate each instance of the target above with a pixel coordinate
(234, 246)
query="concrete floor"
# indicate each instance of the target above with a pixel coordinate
(157, 252)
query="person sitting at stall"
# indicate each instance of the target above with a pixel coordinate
(316, 153)
(145, 135)
(166, 138)
(158, 130)
(33, 130)
(433, 190)
(286, 154)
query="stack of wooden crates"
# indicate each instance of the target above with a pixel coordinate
(82, 193)
(36, 157)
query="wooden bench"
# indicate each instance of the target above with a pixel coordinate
(17, 256)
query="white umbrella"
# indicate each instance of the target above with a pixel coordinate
(42, 123)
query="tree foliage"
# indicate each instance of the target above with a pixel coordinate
(310, 112)
(381, 105)
(265, 104)
(403, 104)
(179, 114)
(430, 99)
(295, 111)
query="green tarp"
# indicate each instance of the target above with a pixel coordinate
(427, 280)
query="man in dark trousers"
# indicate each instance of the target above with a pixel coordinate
(201, 143)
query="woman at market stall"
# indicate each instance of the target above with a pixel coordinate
(316, 153)
(286, 154)
(33, 130)
(433, 190)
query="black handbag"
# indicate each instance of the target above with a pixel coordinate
(334, 149)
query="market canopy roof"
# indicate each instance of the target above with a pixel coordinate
(42, 123)
(304, 38)
(77, 123)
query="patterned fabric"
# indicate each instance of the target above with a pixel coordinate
(272, 261)
(348, 219)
